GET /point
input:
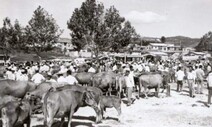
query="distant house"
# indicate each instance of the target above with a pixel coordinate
(65, 45)
(188, 49)
(168, 48)
(195, 55)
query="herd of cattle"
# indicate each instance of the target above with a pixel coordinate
(19, 100)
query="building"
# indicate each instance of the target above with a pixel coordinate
(65, 45)
(167, 48)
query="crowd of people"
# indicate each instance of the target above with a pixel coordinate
(193, 72)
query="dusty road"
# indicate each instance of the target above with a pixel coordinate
(179, 110)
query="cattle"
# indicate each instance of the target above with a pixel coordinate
(84, 78)
(105, 81)
(120, 85)
(15, 88)
(150, 80)
(110, 102)
(5, 99)
(36, 95)
(16, 113)
(63, 103)
(94, 97)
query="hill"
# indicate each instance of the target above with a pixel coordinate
(177, 40)
(185, 41)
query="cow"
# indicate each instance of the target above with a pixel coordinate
(16, 112)
(150, 80)
(94, 97)
(5, 99)
(36, 95)
(105, 81)
(15, 88)
(62, 103)
(110, 102)
(84, 78)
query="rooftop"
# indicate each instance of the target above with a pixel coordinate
(64, 40)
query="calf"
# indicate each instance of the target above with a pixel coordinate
(109, 102)
(16, 112)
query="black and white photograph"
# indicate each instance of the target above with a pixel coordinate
(105, 63)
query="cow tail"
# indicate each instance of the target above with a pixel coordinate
(45, 112)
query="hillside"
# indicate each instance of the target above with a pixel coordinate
(185, 41)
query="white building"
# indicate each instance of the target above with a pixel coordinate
(65, 45)
(168, 48)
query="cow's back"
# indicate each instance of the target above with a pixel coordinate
(14, 88)
(151, 79)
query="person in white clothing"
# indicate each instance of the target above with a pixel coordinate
(91, 69)
(11, 74)
(37, 78)
(180, 76)
(129, 86)
(71, 80)
(23, 76)
(61, 79)
(191, 79)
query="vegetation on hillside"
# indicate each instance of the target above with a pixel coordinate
(205, 43)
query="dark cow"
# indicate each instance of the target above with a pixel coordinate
(150, 80)
(110, 102)
(15, 88)
(16, 113)
(63, 103)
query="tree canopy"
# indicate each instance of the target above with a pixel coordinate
(42, 31)
(93, 28)
(205, 43)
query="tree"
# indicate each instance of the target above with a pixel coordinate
(86, 26)
(113, 22)
(18, 39)
(163, 39)
(91, 27)
(205, 43)
(42, 31)
(5, 36)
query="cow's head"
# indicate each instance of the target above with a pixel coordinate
(10, 113)
(89, 98)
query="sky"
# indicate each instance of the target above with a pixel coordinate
(150, 18)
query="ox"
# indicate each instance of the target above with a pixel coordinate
(15, 88)
(152, 80)
(63, 102)
(16, 113)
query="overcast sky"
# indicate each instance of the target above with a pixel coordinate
(152, 18)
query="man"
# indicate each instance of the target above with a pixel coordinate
(209, 83)
(61, 78)
(91, 69)
(71, 80)
(23, 76)
(180, 76)
(37, 78)
(191, 79)
(129, 85)
(199, 79)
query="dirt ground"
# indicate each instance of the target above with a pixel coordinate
(179, 110)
